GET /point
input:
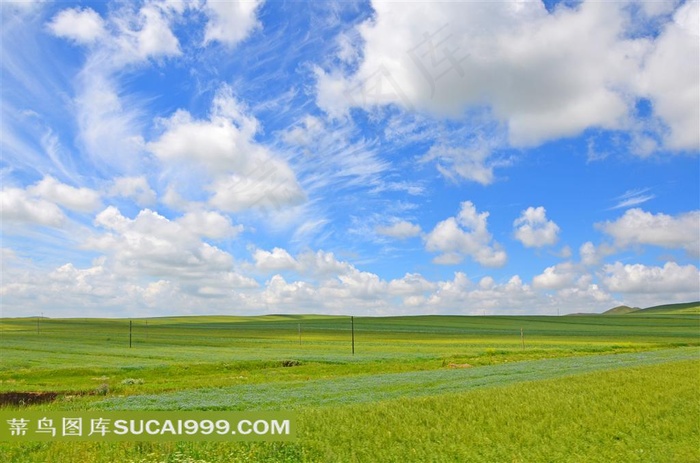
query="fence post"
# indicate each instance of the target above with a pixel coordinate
(522, 337)
(129, 334)
(300, 334)
(352, 324)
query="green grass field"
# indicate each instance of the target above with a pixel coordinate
(596, 388)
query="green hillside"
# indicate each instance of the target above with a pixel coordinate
(672, 309)
(621, 310)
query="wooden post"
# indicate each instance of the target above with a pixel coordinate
(522, 337)
(352, 324)
(300, 334)
(129, 334)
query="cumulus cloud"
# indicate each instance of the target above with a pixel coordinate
(39, 203)
(638, 227)
(136, 188)
(534, 230)
(275, 260)
(638, 278)
(319, 264)
(400, 230)
(209, 224)
(671, 77)
(154, 38)
(16, 205)
(465, 235)
(556, 277)
(460, 295)
(230, 22)
(499, 55)
(154, 246)
(84, 26)
(78, 199)
(411, 284)
(243, 173)
(592, 254)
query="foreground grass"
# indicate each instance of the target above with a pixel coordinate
(636, 414)
(642, 414)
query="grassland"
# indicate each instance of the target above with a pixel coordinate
(596, 388)
(672, 309)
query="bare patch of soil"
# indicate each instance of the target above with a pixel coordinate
(459, 365)
(26, 398)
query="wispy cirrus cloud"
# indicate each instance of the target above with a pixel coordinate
(631, 198)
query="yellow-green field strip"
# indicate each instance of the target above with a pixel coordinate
(379, 387)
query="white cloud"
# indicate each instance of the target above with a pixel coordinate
(111, 121)
(244, 173)
(460, 295)
(133, 37)
(109, 124)
(16, 205)
(153, 246)
(401, 230)
(39, 203)
(319, 264)
(230, 22)
(143, 36)
(296, 295)
(275, 260)
(467, 163)
(78, 199)
(499, 55)
(556, 277)
(638, 278)
(592, 255)
(84, 26)
(357, 285)
(304, 133)
(671, 77)
(633, 198)
(637, 227)
(411, 284)
(322, 263)
(136, 188)
(474, 240)
(534, 230)
(270, 184)
(209, 224)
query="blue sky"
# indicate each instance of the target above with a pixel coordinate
(368, 158)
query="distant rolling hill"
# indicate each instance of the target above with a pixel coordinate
(621, 310)
(666, 309)
(675, 309)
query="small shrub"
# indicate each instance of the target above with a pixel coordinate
(132, 381)
(102, 389)
(291, 363)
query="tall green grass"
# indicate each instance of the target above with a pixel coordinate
(640, 414)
